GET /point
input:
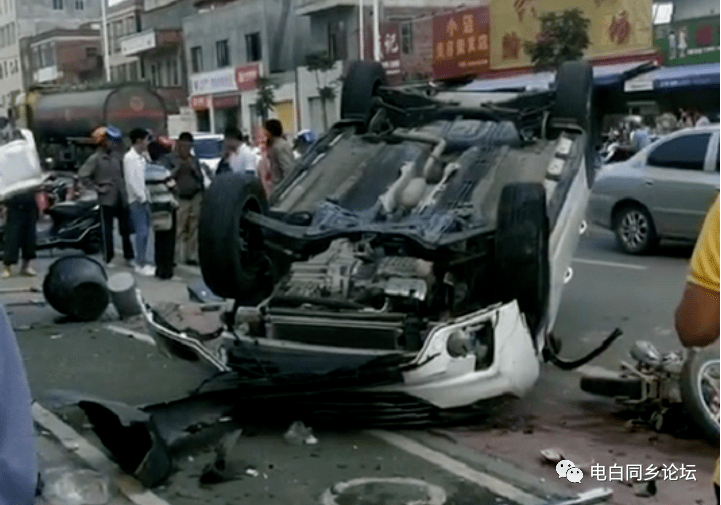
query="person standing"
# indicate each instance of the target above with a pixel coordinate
(103, 173)
(20, 233)
(185, 170)
(280, 152)
(134, 165)
(697, 318)
(238, 157)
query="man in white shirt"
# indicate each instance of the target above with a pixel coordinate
(134, 164)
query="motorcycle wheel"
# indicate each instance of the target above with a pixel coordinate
(613, 387)
(700, 392)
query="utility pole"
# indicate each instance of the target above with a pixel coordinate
(376, 30)
(361, 30)
(106, 48)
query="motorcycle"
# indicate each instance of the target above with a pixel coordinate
(75, 223)
(663, 386)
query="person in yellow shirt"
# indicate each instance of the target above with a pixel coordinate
(697, 316)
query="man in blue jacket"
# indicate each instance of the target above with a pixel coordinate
(18, 457)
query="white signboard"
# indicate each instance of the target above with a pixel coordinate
(137, 43)
(217, 81)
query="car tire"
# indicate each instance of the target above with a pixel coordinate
(232, 257)
(634, 229)
(693, 395)
(521, 250)
(359, 88)
(574, 94)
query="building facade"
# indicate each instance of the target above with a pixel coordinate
(229, 45)
(22, 19)
(64, 57)
(123, 19)
(159, 49)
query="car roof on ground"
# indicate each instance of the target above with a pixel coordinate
(204, 136)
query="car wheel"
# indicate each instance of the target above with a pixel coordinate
(521, 250)
(574, 93)
(231, 252)
(635, 232)
(359, 88)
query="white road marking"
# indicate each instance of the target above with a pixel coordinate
(143, 337)
(458, 468)
(128, 485)
(613, 264)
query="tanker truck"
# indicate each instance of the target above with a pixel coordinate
(63, 121)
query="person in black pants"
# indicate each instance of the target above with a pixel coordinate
(20, 233)
(103, 172)
(164, 215)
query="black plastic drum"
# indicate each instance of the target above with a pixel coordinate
(77, 287)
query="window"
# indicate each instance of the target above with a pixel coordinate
(153, 75)
(407, 37)
(252, 47)
(3, 42)
(196, 55)
(221, 53)
(36, 58)
(12, 32)
(332, 44)
(79, 5)
(91, 52)
(129, 25)
(133, 71)
(1, 72)
(58, 5)
(174, 72)
(687, 152)
(49, 55)
(138, 25)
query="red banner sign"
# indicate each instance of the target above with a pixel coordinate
(200, 102)
(246, 77)
(460, 43)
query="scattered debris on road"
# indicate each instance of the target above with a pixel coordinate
(82, 487)
(76, 286)
(299, 434)
(220, 470)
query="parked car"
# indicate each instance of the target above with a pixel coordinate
(663, 191)
(208, 148)
(416, 254)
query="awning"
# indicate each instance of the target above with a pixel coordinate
(702, 75)
(603, 75)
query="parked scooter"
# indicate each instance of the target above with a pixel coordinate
(659, 385)
(75, 223)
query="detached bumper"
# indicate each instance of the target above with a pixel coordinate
(503, 362)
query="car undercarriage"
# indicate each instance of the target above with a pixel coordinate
(418, 248)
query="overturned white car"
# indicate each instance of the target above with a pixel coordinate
(414, 258)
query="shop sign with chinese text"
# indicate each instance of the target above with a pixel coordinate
(618, 27)
(461, 43)
(689, 42)
(390, 46)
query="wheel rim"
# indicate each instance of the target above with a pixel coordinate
(634, 229)
(707, 387)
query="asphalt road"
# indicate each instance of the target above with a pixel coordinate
(609, 290)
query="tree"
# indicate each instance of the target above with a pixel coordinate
(563, 37)
(265, 101)
(320, 63)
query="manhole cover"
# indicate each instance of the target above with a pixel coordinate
(384, 491)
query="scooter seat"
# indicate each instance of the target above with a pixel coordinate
(70, 210)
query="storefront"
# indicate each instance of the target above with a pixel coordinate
(217, 96)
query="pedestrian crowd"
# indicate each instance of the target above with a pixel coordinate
(165, 204)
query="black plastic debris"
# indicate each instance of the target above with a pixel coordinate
(132, 437)
(77, 287)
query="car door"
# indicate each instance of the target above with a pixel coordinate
(682, 181)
